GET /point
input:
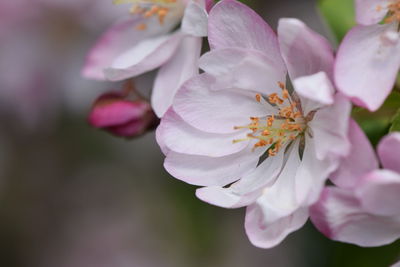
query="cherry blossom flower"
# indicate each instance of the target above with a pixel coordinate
(242, 133)
(364, 207)
(146, 41)
(368, 59)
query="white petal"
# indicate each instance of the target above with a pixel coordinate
(182, 66)
(216, 111)
(269, 234)
(180, 137)
(244, 69)
(247, 189)
(330, 129)
(316, 91)
(145, 56)
(305, 52)
(210, 171)
(195, 20)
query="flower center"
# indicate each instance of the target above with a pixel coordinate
(278, 129)
(150, 8)
(393, 12)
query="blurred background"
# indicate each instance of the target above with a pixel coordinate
(74, 196)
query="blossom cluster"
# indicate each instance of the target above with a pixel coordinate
(263, 119)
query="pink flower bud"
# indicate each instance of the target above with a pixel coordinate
(120, 116)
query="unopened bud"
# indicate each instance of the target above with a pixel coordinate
(114, 113)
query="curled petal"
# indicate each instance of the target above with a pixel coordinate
(182, 66)
(379, 193)
(305, 52)
(247, 189)
(119, 38)
(145, 56)
(340, 216)
(316, 90)
(389, 152)
(268, 235)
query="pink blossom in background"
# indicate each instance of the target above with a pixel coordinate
(42, 50)
(368, 59)
(145, 41)
(363, 208)
(239, 132)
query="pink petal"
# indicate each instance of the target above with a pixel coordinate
(145, 56)
(244, 69)
(247, 189)
(379, 193)
(182, 66)
(361, 160)
(268, 235)
(371, 11)
(339, 215)
(118, 39)
(210, 171)
(316, 91)
(180, 137)
(367, 64)
(215, 111)
(305, 52)
(233, 24)
(195, 20)
(389, 152)
(330, 128)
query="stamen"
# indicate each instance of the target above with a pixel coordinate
(149, 9)
(393, 13)
(276, 130)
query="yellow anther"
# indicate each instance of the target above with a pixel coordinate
(162, 13)
(141, 27)
(270, 120)
(393, 13)
(285, 93)
(258, 98)
(265, 133)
